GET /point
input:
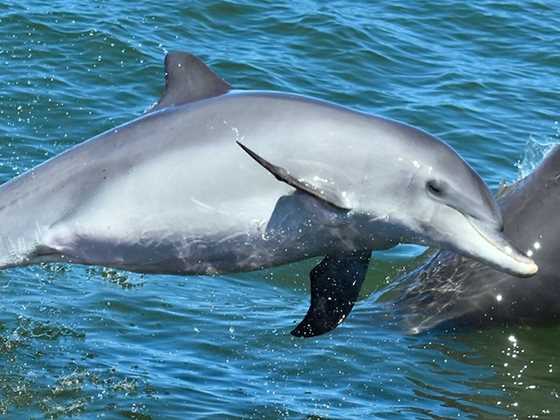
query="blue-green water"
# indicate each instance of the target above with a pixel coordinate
(92, 342)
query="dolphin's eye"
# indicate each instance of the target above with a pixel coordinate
(435, 188)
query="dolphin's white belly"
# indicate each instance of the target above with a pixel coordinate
(182, 213)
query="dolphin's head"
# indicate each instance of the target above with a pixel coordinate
(464, 217)
(449, 206)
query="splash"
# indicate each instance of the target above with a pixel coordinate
(536, 150)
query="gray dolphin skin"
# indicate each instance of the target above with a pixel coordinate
(454, 291)
(212, 180)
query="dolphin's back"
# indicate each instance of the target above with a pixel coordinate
(168, 185)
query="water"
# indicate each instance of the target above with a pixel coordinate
(94, 342)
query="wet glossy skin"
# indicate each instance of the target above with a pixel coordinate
(171, 192)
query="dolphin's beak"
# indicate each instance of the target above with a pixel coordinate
(481, 240)
(494, 249)
(474, 227)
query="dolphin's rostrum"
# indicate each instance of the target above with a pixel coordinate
(172, 192)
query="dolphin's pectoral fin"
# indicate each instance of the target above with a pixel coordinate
(188, 79)
(323, 193)
(335, 286)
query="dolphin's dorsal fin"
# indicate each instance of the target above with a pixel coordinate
(322, 192)
(188, 79)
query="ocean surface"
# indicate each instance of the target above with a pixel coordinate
(93, 342)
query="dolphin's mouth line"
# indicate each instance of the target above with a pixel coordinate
(506, 250)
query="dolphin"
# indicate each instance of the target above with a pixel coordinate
(452, 290)
(212, 180)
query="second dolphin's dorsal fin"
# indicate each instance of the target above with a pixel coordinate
(188, 79)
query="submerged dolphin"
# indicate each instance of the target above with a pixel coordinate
(451, 290)
(184, 189)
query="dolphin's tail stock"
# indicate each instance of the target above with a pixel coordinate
(18, 250)
(26, 247)
(16, 244)
(28, 234)
(12, 253)
(26, 215)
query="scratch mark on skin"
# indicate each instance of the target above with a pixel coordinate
(203, 205)
(209, 207)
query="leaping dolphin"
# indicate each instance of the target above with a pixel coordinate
(451, 290)
(184, 189)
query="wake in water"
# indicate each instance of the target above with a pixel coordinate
(536, 150)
